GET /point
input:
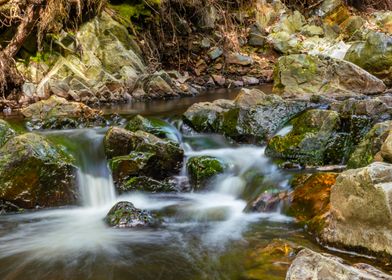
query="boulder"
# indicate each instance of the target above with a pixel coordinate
(368, 150)
(302, 75)
(154, 126)
(312, 141)
(252, 117)
(33, 172)
(141, 153)
(57, 112)
(146, 184)
(360, 216)
(311, 265)
(203, 168)
(125, 215)
(6, 132)
(374, 55)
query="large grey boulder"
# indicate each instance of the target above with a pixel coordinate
(311, 265)
(302, 75)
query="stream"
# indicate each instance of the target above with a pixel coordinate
(204, 235)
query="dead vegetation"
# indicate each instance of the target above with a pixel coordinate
(305, 5)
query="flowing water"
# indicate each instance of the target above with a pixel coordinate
(204, 235)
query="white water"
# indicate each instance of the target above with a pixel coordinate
(216, 214)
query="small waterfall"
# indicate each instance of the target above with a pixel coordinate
(94, 178)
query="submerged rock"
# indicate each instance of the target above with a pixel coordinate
(203, 168)
(57, 112)
(360, 216)
(311, 265)
(141, 153)
(33, 172)
(368, 150)
(303, 75)
(125, 215)
(374, 55)
(252, 117)
(6, 132)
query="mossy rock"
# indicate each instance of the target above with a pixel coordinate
(133, 152)
(370, 146)
(306, 143)
(34, 172)
(6, 132)
(146, 184)
(125, 215)
(154, 126)
(374, 55)
(203, 168)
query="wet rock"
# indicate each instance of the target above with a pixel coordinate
(125, 215)
(252, 117)
(267, 202)
(154, 126)
(360, 212)
(307, 143)
(203, 168)
(311, 265)
(368, 150)
(271, 261)
(374, 55)
(146, 184)
(310, 196)
(33, 172)
(141, 153)
(8, 207)
(57, 112)
(305, 75)
(6, 132)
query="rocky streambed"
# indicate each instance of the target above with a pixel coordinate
(255, 186)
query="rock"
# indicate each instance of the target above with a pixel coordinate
(271, 261)
(203, 168)
(360, 216)
(125, 215)
(154, 126)
(6, 132)
(368, 149)
(57, 112)
(155, 86)
(33, 172)
(141, 153)
(311, 265)
(220, 80)
(146, 184)
(311, 139)
(214, 53)
(8, 207)
(306, 75)
(374, 55)
(312, 30)
(252, 117)
(239, 59)
(267, 201)
(256, 37)
(310, 196)
(250, 81)
(386, 148)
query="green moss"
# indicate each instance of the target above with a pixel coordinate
(202, 168)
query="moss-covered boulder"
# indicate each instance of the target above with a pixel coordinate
(146, 184)
(374, 55)
(154, 126)
(360, 215)
(309, 140)
(6, 132)
(203, 168)
(310, 196)
(141, 153)
(368, 150)
(33, 172)
(125, 215)
(304, 75)
(56, 112)
(252, 117)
